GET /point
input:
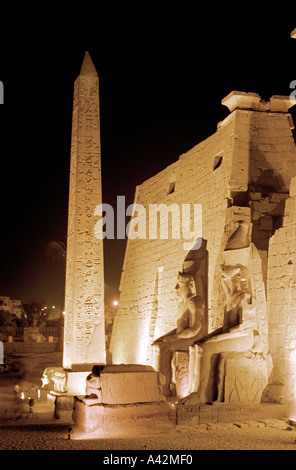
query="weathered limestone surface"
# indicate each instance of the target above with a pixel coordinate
(245, 378)
(84, 333)
(132, 387)
(228, 413)
(122, 420)
(218, 381)
(148, 306)
(242, 172)
(281, 292)
(130, 402)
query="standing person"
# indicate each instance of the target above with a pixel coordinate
(31, 404)
(16, 390)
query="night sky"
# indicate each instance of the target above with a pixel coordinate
(162, 79)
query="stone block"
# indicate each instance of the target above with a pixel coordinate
(245, 379)
(276, 208)
(88, 418)
(280, 104)
(76, 382)
(256, 206)
(130, 387)
(292, 189)
(275, 393)
(61, 404)
(51, 397)
(242, 100)
(121, 420)
(266, 223)
(255, 196)
(229, 413)
(235, 340)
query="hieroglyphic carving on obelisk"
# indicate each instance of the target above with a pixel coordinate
(84, 331)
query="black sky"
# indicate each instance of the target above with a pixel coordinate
(162, 79)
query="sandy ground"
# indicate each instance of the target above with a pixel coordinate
(202, 437)
(21, 430)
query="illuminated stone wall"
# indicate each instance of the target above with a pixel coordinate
(148, 305)
(281, 288)
(252, 177)
(84, 333)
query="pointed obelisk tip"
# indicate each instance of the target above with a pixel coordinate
(87, 67)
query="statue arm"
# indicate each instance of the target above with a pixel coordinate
(195, 320)
(195, 324)
(163, 338)
(234, 300)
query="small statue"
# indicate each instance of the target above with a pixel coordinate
(93, 383)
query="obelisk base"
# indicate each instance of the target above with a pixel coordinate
(61, 404)
(76, 381)
(95, 420)
(62, 400)
(131, 403)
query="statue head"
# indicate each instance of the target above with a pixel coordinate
(96, 370)
(235, 279)
(185, 286)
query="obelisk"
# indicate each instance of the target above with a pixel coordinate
(84, 329)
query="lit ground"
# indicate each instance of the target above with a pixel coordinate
(212, 437)
(20, 430)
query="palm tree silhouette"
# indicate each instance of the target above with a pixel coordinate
(56, 250)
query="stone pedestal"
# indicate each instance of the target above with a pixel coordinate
(245, 378)
(231, 370)
(99, 420)
(130, 384)
(62, 405)
(228, 413)
(131, 403)
(67, 385)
